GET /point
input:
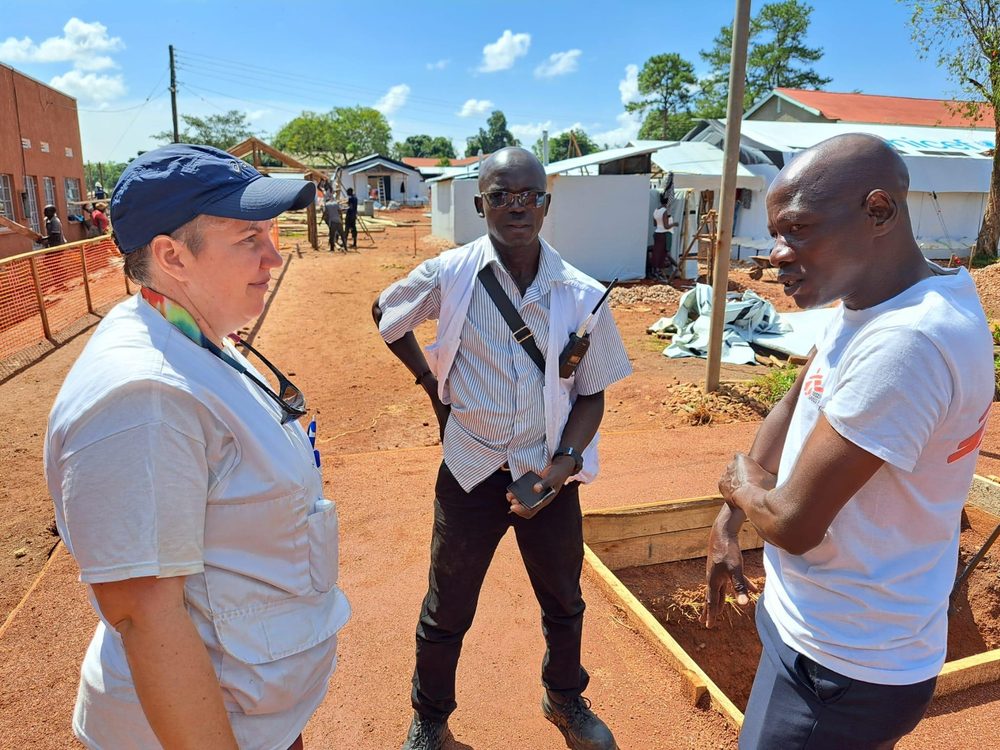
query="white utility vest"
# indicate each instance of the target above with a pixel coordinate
(572, 298)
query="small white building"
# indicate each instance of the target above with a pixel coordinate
(386, 179)
(598, 219)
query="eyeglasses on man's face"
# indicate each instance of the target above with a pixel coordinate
(505, 198)
(288, 396)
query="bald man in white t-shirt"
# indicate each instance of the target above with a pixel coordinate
(857, 479)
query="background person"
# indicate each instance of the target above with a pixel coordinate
(53, 227)
(331, 215)
(663, 222)
(857, 478)
(99, 219)
(351, 218)
(184, 487)
(497, 423)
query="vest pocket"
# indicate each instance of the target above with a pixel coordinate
(323, 545)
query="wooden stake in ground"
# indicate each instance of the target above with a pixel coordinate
(734, 113)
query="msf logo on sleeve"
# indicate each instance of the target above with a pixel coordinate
(971, 443)
(813, 387)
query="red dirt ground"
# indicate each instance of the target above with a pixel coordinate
(674, 592)
(380, 453)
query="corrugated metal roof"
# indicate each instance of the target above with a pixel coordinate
(600, 157)
(885, 110)
(788, 137)
(700, 158)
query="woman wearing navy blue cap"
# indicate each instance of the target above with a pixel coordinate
(185, 487)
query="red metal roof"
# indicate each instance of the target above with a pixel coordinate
(888, 110)
(432, 161)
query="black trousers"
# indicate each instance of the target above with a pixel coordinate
(467, 529)
(797, 704)
(351, 227)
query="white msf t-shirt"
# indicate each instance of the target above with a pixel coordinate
(910, 381)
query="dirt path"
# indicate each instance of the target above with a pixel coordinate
(380, 453)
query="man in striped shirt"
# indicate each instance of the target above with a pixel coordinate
(503, 413)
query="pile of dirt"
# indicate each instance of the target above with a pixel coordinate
(675, 593)
(988, 285)
(728, 404)
(645, 294)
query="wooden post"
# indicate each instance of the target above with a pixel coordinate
(720, 266)
(86, 281)
(41, 300)
(312, 234)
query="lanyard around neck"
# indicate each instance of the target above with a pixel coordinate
(184, 322)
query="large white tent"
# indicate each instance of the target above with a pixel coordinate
(949, 176)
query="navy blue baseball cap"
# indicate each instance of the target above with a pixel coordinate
(166, 188)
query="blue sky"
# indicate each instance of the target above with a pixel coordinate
(433, 67)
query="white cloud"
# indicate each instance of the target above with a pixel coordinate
(628, 87)
(16, 50)
(257, 114)
(90, 86)
(627, 130)
(87, 46)
(530, 132)
(501, 54)
(439, 65)
(84, 44)
(393, 100)
(475, 107)
(558, 64)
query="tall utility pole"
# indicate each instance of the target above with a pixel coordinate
(173, 94)
(727, 197)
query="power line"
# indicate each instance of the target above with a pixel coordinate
(233, 71)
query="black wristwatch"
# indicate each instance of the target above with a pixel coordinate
(572, 453)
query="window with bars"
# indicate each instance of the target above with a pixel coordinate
(49, 185)
(72, 190)
(31, 202)
(6, 199)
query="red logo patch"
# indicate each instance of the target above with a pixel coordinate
(813, 384)
(971, 443)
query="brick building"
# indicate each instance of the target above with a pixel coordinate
(40, 158)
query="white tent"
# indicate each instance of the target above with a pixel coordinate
(949, 176)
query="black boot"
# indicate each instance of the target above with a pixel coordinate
(580, 726)
(426, 734)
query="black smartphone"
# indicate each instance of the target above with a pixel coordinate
(523, 490)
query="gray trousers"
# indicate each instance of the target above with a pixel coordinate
(797, 704)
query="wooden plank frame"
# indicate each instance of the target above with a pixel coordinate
(673, 530)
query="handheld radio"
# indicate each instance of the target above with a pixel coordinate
(579, 341)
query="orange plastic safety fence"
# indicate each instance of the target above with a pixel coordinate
(56, 280)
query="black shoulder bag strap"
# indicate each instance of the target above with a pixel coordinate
(522, 334)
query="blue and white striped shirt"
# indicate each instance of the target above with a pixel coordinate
(497, 414)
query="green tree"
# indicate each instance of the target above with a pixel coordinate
(776, 56)
(222, 131)
(677, 126)
(444, 161)
(495, 137)
(666, 82)
(105, 172)
(560, 146)
(965, 37)
(337, 137)
(426, 146)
